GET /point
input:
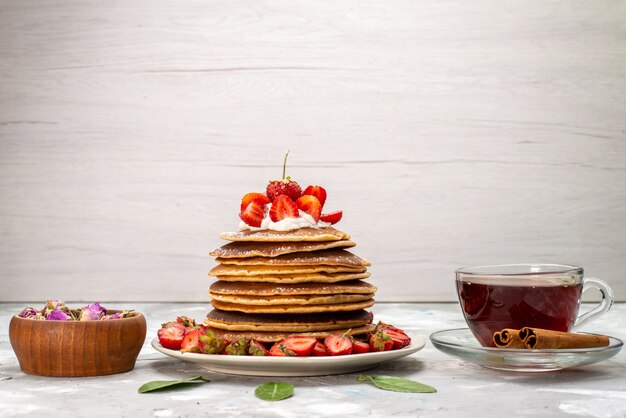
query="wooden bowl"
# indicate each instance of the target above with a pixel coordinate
(77, 348)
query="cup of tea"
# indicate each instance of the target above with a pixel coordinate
(514, 296)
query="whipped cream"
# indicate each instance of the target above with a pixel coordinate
(288, 224)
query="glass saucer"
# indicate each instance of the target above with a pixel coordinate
(461, 343)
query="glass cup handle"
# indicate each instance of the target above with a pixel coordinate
(603, 307)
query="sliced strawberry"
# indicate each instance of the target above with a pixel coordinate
(250, 197)
(399, 338)
(191, 342)
(317, 191)
(310, 205)
(380, 341)
(338, 345)
(173, 324)
(171, 337)
(257, 349)
(186, 321)
(388, 327)
(332, 217)
(253, 213)
(283, 207)
(359, 347)
(276, 350)
(319, 350)
(296, 345)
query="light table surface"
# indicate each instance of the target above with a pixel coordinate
(464, 389)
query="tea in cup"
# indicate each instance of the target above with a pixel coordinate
(514, 296)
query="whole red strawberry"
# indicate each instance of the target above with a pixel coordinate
(285, 186)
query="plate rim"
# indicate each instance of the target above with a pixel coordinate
(614, 343)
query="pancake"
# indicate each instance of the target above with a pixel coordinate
(270, 337)
(244, 249)
(317, 277)
(332, 257)
(292, 309)
(235, 270)
(238, 321)
(290, 300)
(302, 234)
(268, 289)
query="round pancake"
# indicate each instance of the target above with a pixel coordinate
(239, 321)
(268, 289)
(235, 270)
(332, 257)
(244, 249)
(302, 234)
(292, 309)
(270, 337)
(289, 300)
(318, 277)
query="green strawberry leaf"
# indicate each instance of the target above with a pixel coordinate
(167, 384)
(272, 391)
(397, 384)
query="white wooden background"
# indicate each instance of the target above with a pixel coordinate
(450, 132)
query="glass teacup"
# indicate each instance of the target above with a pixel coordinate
(514, 296)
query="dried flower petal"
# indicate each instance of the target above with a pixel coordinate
(58, 315)
(92, 312)
(28, 313)
(112, 316)
(53, 304)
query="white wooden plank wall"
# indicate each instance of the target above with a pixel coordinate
(450, 132)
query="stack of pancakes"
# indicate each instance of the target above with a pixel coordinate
(273, 284)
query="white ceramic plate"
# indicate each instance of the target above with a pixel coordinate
(461, 343)
(291, 366)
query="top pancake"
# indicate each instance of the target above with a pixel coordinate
(333, 257)
(302, 234)
(244, 249)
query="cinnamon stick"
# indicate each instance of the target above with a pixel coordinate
(537, 338)
(508, 338)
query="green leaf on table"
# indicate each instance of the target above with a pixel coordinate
(273, 391)
(170, 384)
(397, 384)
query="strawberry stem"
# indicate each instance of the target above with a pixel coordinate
(285, 164)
